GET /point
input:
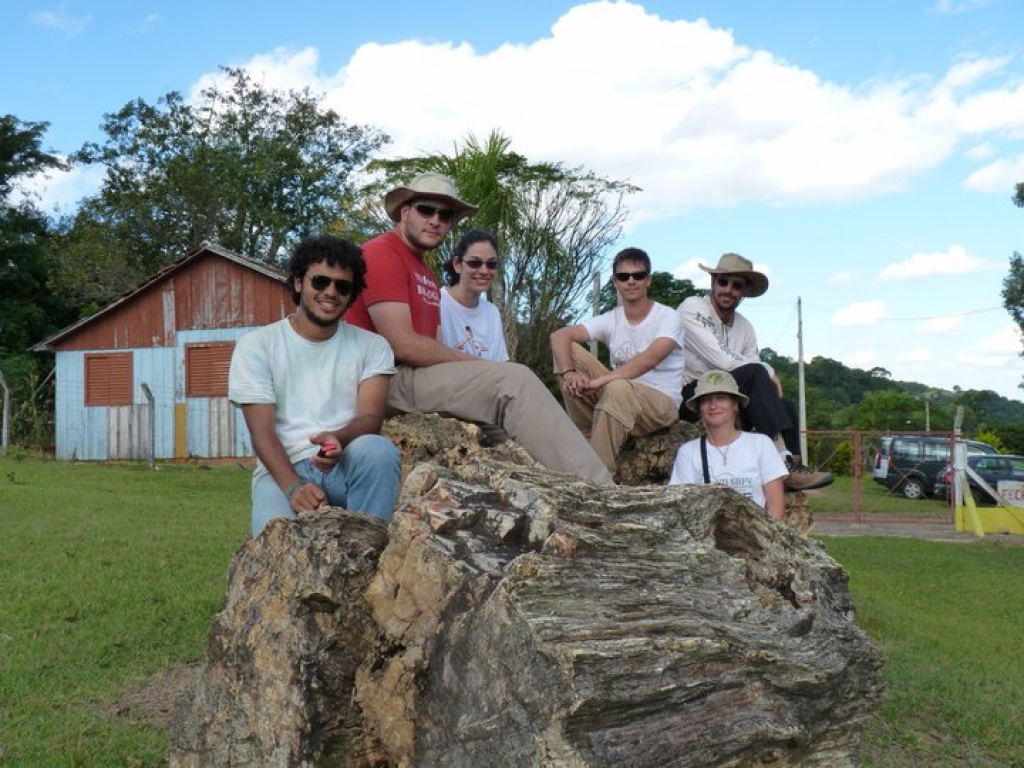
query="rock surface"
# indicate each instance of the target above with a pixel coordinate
(642, 461)
(510, 616)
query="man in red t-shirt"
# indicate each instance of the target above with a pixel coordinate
(402, 302)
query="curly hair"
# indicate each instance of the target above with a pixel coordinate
(336, 252)
(472, 237)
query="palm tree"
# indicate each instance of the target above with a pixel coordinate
(554, 226)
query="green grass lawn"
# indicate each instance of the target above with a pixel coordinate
(110, 575)
(950, 618)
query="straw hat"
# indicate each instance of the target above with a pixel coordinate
(435, 186)
(734, 264)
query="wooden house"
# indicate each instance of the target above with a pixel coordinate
(146, 376)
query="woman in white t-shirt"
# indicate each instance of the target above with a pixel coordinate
(469, 322)
(747, 462)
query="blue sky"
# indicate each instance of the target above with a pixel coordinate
(864, 155)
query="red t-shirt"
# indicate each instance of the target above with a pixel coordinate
(394, 273)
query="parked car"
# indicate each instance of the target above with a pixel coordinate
(881, 468)
(992, 469)
(915, 460)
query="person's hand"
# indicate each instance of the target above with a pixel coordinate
(777, 383)
(329, 452)
(306, 498)
(575, 383)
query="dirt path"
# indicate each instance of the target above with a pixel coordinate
(932, 531)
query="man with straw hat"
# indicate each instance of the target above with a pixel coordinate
(717, 337)
(402, 302)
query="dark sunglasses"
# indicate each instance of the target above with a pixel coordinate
(429, 211)
(738, 283)
(320, 283)
(638, 276)
(491, 264)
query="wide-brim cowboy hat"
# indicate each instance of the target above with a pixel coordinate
(734, 264)
(435, 186)
(715, 383)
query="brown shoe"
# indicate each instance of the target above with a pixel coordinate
(801, 478)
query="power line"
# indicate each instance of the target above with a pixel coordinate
(921, 317)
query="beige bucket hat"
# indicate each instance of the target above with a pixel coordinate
(715, 382)
(734, 264)
(435, 186)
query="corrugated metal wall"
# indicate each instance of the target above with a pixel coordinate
(213, 427)
(214, 299)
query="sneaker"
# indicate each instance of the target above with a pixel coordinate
(801, 478)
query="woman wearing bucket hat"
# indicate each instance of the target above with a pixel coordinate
(717, 337)
(747, 462)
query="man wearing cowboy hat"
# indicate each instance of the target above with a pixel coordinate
(716, 336)
(402, 302)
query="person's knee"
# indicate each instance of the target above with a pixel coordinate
(373, 450)
(618, 391)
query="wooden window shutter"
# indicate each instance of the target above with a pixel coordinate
(206, 368)
(108, 378)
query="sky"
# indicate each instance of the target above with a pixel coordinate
(863, 155)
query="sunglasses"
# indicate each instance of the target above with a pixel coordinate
(429, 211)
(638, 276)
(738, 283)
(491, 264)
(320, 283)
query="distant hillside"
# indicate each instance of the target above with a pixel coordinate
(850, 398)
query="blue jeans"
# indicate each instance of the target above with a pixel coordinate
(365, 479)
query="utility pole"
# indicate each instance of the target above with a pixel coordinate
(800, 379)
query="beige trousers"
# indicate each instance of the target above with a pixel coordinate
(619, 409)
(507, 394)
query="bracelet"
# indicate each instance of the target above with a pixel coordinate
(562, 373)
(290, 491)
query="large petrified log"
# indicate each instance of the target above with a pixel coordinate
(517, 617)
(642, 461)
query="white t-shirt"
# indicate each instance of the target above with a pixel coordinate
(625, 341)
(713, 345)
(313, 385)
(475, 330)
(746, 465)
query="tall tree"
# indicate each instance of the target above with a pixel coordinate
(1013, 288)
(245, 166)
(554, 226)
(28, 311)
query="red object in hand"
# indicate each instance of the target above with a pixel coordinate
(322, 453)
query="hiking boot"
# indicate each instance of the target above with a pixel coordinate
(801, 478)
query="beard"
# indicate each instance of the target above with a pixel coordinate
(314, 318)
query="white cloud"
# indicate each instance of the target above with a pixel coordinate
(942, 324)
(61, 21)
(862, 358)
(982, 151)
(61, 191)
(859, 313)
(916, 354)
(956, 7)
(683, 110)
(1001, 176)
(955, 261)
